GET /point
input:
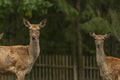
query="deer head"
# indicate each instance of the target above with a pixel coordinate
(99, 39)
(34, 28)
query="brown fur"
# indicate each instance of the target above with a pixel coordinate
(20, 59)
(14, 58)
(113, 66)
(109, 66)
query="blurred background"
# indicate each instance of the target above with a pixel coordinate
(67, 50)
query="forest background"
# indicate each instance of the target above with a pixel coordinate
(68, 24)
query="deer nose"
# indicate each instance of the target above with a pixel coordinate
(98, 46)
(33, 37)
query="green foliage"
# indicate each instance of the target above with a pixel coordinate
(70, 34)
(64, 6)
(28, 7)
(115, 23)
(6, 7)
(24, 7)
(96, 24)
(87, 14)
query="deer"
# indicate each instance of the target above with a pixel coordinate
(109, 66)
(19, 59)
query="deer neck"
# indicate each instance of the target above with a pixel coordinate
(100, 54)
(34, 49)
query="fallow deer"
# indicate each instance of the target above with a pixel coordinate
(20, 59)
(109, 66)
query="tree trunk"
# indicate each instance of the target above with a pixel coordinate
(114, 47)
(79, 42)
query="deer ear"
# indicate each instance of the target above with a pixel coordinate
(107, 35)
(1, 35)
(42, 23)
(26, 22)
(92, 34)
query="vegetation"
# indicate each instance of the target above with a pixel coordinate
(68, 26)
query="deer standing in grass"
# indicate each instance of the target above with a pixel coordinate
(109, 66)
(20, 59)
